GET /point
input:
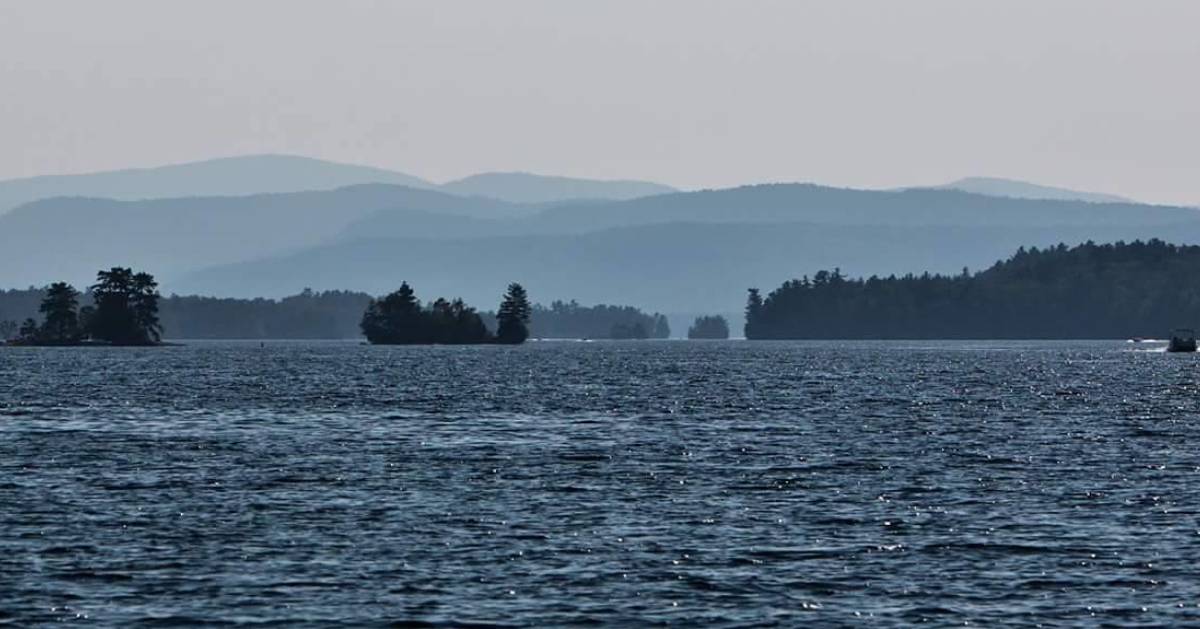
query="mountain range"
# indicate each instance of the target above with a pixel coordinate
(259, 174)
(997, 187)
(617, 242)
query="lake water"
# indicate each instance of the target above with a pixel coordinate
(722, 483)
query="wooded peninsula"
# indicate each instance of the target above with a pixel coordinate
(1091, 291)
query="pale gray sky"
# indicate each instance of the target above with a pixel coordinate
(1093, 94)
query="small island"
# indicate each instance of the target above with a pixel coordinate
(399, 318)
(709, 327)
(124, 311)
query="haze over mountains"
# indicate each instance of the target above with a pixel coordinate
(258, 174)
(529, 188)
(231, 176)
(616, 242)
(998, 187)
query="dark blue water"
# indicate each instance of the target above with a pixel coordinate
(615, 483)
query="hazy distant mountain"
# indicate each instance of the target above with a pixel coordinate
(263, 174)
(70, 238)
(530, 188)
(674, 267)
(674, 252)
(806, 202)
(996, 187)
(695, 251)
(229, 176)
(777, 203)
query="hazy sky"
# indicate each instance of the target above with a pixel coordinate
(1092, 94)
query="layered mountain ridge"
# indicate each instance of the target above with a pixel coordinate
(666, 250)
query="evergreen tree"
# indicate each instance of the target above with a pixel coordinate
(512, 319)
(394, 319)
(8, 330)
(754, 306)
(144, 301)
(468, 324)
(662, 328)
(126, 310)
(61, 318)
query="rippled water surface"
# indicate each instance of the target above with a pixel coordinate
(725, 483)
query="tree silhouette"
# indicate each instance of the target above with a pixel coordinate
(126, 310)
(59, 308)
(754, 306)
(662, 328)
(394, 318)
(144, 302)
(512, 319)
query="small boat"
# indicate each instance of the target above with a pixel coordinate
(1182, 340)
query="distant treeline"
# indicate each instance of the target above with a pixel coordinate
(1088, 291)
(331, 314)
(337, 315)
(569, 320)
(309, 315)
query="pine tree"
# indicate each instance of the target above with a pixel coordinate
(144, 300)
(662, 328)
(126, 311)
(512, 320)
(394, 318)
(60, 308)
(754, 308)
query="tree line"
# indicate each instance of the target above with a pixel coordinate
(570, 320)
(1119, 290)
(335, 314)
(124, 311)
(309, 314)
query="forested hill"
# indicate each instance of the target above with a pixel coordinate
(1089, 291)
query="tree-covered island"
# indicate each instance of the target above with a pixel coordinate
(123, 311)
(399, 318)
(709, 327)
